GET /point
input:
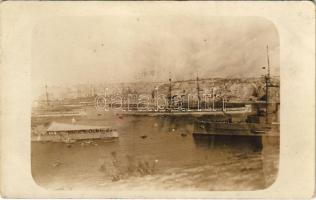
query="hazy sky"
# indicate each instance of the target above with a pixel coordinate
(116, 48)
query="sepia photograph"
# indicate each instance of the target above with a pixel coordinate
(145, 102)
(157, 99)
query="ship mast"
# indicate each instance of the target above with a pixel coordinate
(198, 90)
(213, 98)
(169, 93)
(267, 82)
(47, 101)
(198, 86)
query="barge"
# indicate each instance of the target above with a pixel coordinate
(69, 133)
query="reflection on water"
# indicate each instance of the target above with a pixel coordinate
(153, 154)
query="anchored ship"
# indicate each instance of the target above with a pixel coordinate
(185, 107)
(257, 124)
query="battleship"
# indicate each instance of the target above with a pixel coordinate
(264, 122)
(182, 105)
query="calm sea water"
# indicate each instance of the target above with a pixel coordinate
(155, 154)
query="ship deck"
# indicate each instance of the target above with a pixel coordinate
(235, 133)
(184, 113)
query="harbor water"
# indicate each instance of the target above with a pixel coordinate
(154, 153)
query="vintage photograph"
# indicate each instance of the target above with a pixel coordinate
(155, 102)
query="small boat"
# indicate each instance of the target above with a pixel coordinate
(143, 136)
(258, 131)
(183, 134)
(69, 141)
